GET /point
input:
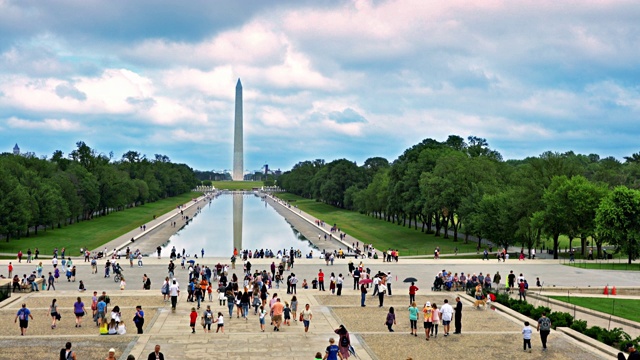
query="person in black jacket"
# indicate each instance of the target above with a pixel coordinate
(458, 317)
(156, 354)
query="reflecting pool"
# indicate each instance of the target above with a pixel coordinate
(238, 220)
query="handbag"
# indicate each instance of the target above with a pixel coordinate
(58, 317)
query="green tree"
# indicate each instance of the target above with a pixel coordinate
(618, 220)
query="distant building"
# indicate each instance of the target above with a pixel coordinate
(16, 150)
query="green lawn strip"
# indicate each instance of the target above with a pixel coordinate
(625, 308)
(380, 233)
(237, 185)
(96, 232)
(604, 265)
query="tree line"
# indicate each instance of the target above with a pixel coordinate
(462, 185)
(41, 193)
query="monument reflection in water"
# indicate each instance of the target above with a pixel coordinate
(242, 221)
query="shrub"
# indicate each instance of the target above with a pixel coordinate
(560, 319)
(613, 336)
(537, 312)
(579, 326)
(593, 332)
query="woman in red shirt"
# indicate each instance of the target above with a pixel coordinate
(412, 292)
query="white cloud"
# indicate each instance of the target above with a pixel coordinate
(59, 125)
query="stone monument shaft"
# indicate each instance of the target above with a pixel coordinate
(238, 147)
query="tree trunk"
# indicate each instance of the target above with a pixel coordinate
(555, 246)
(445, 219)
(583, 244)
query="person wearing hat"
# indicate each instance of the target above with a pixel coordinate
(112, 354)
(633, 353)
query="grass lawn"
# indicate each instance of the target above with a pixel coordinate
(237, 185)
(97, 232)
(624, 308)
(380, 233)
(606, 265)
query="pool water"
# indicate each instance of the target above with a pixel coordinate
(238, 220)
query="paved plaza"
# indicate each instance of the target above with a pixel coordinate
(486, 334)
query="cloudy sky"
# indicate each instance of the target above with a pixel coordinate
(322, 79)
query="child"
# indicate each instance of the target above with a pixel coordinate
(436, 319)
(318, 356)
(287, 314)
(305, 286)
(391, 319)
(220, 322)
(526, 336)
(263, 313)
(193, 316)
(314, 283)
(210, 292)
(122, 283)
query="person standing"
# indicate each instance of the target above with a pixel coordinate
(522, 291)
(413, 318)
(306, 315)
(388, 282)
(193, 316)
(412, 293)
(23, 315)
(339, 282)
(382, 289)
(356, 278)
(363, 295)
(496, 279)
(320, 280)
(112, 354)
(11, 270)
(156, 354)
(67, 353)
(458, 317)
(544, 327)
(427, 312)
(138, 319)
(174, 292)
(447, 313)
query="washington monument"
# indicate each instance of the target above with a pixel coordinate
(238, 148)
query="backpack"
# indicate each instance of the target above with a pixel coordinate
(165, 289)
(344, 341)
(22, 314)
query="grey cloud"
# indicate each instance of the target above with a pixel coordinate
(346, 116)
(68, 90)
(145, 102)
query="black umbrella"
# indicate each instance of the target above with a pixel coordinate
(410, 279)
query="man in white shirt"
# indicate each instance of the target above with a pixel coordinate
(174, 291)
(376, 281)
(446, 312)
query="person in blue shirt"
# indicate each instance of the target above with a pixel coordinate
(23, 314)
(333, 351)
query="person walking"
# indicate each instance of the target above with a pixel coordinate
(333, 351)
(138, 319)
(306, 315)
(522, 292)
(447, 313)
(363, 295)
(413, 318)
(356, 278)
(174, 292)
(388, 282)
(23, 315)
(193, 316)
(220, 322)
(544, 327)
(79, 311)
(526, 336)
(53, 311)
(458, 317)
(412, 293)
(436, 319)
(427, 312)
(391, 319)
(50, 282)
(156, 354)
(344, 341)
(66, 353)
(262, 315)
(208, 319)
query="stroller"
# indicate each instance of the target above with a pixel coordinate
(437, 284)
